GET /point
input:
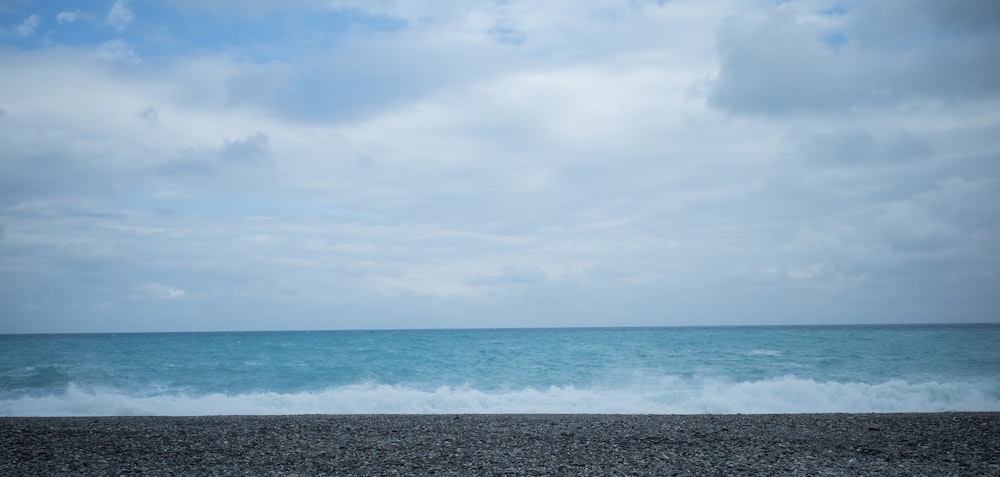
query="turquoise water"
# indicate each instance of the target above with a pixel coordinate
(590, 370)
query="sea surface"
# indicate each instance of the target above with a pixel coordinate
(575, 370)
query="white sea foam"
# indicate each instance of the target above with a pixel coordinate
(662, 395)
(765, 352)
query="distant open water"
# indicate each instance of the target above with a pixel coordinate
(586, 370)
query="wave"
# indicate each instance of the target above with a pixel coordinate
(662, 396)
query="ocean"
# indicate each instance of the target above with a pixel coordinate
(728, 370)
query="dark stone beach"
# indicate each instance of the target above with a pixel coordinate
(788, 444)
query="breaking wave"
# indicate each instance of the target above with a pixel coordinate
(668, 395)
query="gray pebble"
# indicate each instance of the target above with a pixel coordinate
(787, 444)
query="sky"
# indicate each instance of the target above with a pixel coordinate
(255, 165)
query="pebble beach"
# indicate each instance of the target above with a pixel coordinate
(786, 444)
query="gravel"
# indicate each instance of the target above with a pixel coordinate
(938, 444)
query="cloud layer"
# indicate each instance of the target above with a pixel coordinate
(452, 164)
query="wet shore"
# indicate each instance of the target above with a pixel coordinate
(785, 444)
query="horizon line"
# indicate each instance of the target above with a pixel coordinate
(503, 328)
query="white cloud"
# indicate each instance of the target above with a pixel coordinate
(119, 15)
(556, 163)
(68, 17)
(156, 290)
(807, 271)
(24, 29)
(117, 50)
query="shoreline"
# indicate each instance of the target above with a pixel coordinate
(949, 443)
